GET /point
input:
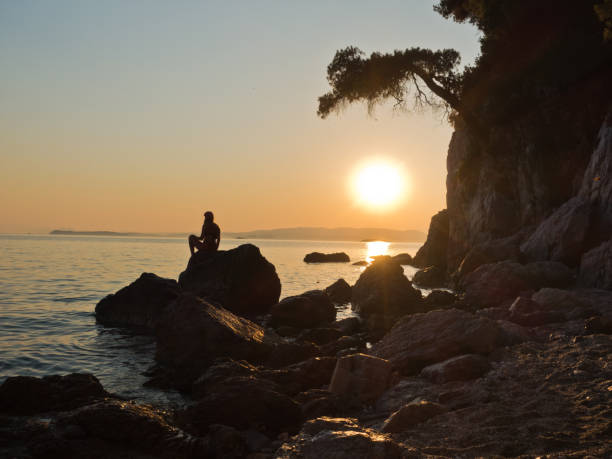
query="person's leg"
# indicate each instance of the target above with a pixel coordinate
(193, 240)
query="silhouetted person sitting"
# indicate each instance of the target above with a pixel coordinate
(210, 237)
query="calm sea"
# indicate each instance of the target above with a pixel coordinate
(49, 286)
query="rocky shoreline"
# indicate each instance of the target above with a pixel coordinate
(517, 364)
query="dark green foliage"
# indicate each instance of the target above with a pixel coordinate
(423, 72)
(531, 51)
(604, 13)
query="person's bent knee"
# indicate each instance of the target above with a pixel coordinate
(192, 238)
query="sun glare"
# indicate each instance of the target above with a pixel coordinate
(376, 248)
(378, 184)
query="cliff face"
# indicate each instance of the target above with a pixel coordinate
(544, 177)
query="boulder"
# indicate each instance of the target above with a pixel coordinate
(320, 335)
(383, 288)
(348, 326)
(403, 258)
(432, 276)
(492, 284)
(240, 279)
(288, 352)
(439, 298)
(434, 251)
(596, 267)
(338, 438)
(139, 304)
(562, 236)
(599, 324)
(490, 252)
(339, 292)
(410, 415)
(318, 257)
(361, 263)
(129, 428)
(307, 310)
(362, 376)
(27, 395)
(243, 402)
(567, 300)
(460, 368)
(193, 332)
(419, 340)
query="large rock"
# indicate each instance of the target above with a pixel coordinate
(410, 415)
(460, 368)
(307, 310)
(490, 252)
(361, 376)
(596, 267)
(139, 304)
(434, 251)
(339, 292)
(244, 403)
(432, 276)
(240, 279)
(555, 299)
(562, 236)
(423, 339)
(26, 395)
(318, 257)
(130, 430)
(492, 284)
(192, 333)
(384, 289)
(338, 438)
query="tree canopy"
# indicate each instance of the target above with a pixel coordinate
(525, 46)
(431, 77)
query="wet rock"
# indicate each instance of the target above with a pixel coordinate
(349, 326)
(318, 257)
(192, 333)
(139, 427)
(339, 439)
(529, 313)
(222, 369)
(422, 339)
(431, 276)
(339, 292)
(362, 376)
(411, 414)
(596, 267)
(244, 403)
(240, 279)
(434, 251)
(403, 258)
(439, 298)
(320, 335)
(25, 395)
(139, 304)
(357, 343)
(307, 310)
(460, 368)
(361, 263)
(384, 289)
(492, 284)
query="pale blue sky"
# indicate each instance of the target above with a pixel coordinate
(135, 115)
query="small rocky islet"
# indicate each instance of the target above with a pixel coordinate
(410, 376)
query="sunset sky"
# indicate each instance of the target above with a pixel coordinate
(140, 115)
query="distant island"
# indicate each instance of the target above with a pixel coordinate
(301, 233)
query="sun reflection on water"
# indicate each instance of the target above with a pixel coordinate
(376, 248)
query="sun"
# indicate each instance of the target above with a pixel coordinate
(378, 184)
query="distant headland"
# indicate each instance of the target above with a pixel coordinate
(300, 233)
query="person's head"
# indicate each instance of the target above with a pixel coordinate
(208, 216)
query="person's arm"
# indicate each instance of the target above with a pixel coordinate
(218, 239)
(202, 235)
